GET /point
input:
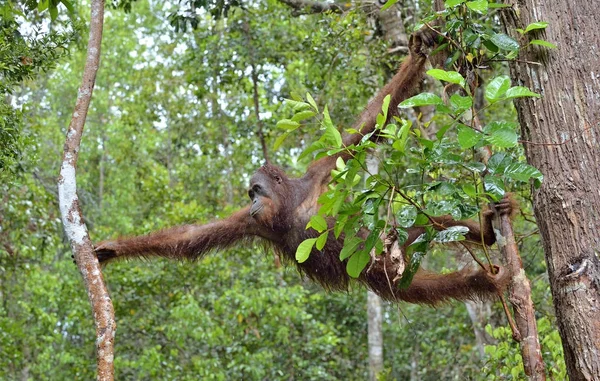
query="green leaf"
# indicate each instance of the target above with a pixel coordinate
(480, 6)
(501, 134)
(288, 124)
(421, 220)
(340, 164)
(546, 44)
(470, 190)
(494, 186)
(312, 102)
(385, 106)
(416, 252)
(453, 3)
(449, 62)
(523, 172)
(460, 103)
(515, 372)
(350, 246)
(43, 5)
(536, 25)
(318, 223)
(475, 166)
(422, 99)
(388, 5)
(304, 249)
(357, 263)
(303, 115)
(68, 5)
(53, 12)
(312, 148)
(340, 224)
(504, 42)
(498, 163)
(490, 46)
(332, 135)
(448, 76)
(321, 241)
(442, 131)
(497, 87)
(452, 234)
(407, 216)
(400, 143)
(519, 92)
(468, 137)
(279, 140)
(297, 106)
(499, 5)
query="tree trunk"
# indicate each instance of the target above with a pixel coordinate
(374, 311)
(70, 211)
(479, 313)
(392, 25)
(567, 206)
(375, 334)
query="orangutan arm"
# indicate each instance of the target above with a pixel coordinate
(400, 87)
(182, 242)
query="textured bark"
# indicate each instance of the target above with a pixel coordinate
(567, 206)
(392, 26)
(72, 218)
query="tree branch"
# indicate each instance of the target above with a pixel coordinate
(72, 218)
(519, 296)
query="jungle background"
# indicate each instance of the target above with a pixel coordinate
(173, 137)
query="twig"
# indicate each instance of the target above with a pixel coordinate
(474, 256)
(511, 322)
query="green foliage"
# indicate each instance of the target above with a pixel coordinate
(22, 57)
(446, 161)
(171, 138)
(504, 360)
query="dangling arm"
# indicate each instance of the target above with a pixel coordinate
(183, 242)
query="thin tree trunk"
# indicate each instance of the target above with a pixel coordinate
(72, 218)
(414, 362)
(479, 313)
(374, 312)
(375, 335)
(567, 206)
(519, 294)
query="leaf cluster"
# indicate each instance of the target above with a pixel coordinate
(430, 169)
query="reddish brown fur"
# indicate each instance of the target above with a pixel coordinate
(282, 206)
